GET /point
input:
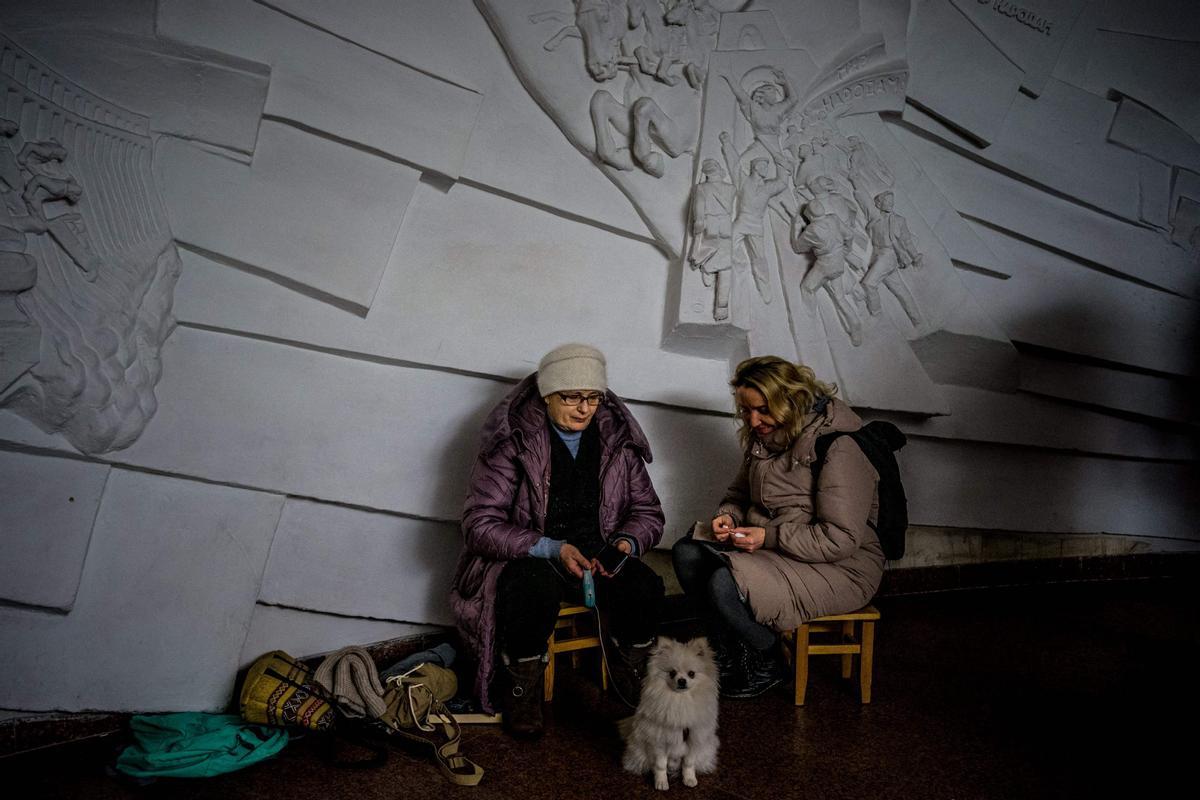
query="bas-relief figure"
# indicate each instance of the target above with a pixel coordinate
(49, 181)
(30, 180)
(657, 46)
(867, 170)
(711, 217)
(893, 249)
(768, 163)
(819, 231)
(765, 108)
(755, 190)
(19, 336)
(87, 265)
(824, 170)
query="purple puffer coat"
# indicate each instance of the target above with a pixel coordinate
(505, 511)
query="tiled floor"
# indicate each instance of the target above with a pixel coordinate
(1078, 690)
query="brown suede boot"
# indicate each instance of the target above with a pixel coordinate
(521, 697)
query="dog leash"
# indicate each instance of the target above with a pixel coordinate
(588, 582)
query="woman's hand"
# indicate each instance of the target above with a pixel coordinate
(722, 526)
(748, 539)
(573, 560)
(598, 569)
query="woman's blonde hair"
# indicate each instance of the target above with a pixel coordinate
(789, 389)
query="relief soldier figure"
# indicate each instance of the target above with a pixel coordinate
(868, 174)
(828, 240)
(754, 193)
(711, 249)
(765, 108)
(894, 250)
(812, 165)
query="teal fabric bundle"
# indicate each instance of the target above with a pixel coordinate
(195, 745)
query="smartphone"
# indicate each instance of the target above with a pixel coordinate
(611, 558)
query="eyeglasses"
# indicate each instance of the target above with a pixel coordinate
(576, 398)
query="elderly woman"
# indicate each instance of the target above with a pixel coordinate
(561, 473)
(789, 547)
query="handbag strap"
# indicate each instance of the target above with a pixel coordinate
(454, 765)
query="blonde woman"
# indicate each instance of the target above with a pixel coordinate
(788, 546)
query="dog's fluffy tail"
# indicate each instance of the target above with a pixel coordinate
(625, 727)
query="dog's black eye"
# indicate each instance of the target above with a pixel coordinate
(672, 673)
(691, 674)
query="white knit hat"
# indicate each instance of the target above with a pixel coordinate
(572, 366)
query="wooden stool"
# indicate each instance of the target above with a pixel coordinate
(570, 641)
(847, 646)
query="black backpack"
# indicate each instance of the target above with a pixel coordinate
(878, 440)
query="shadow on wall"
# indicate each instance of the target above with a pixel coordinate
(1079, 329)
(1084, 335)
(1081, 483)
(461, 437)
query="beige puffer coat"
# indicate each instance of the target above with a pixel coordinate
(820, 555)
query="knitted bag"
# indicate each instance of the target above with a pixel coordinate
(279, 690)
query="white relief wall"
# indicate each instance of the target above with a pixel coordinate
(978, 218)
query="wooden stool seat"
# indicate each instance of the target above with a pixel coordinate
(566, 638)
(856, 636)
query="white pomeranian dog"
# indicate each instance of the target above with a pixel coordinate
(675, 726)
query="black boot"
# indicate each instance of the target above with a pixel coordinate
(725, 654)
(627, 670)
(521, 699)
(758, 670)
